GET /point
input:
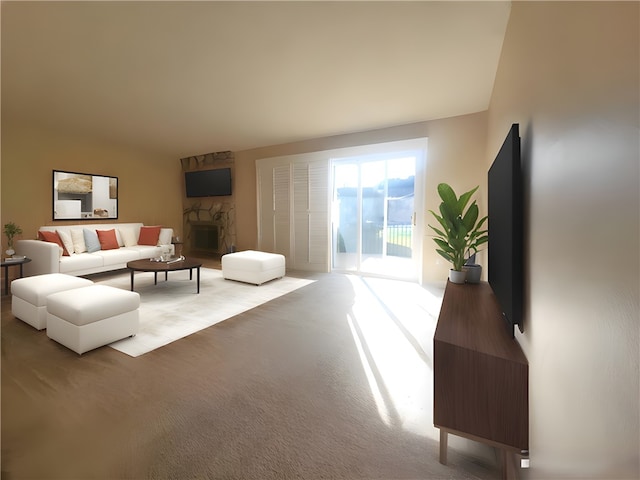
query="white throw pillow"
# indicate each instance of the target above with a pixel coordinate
(129, 237)
(78, 241)
(165, 236)
(65, 237)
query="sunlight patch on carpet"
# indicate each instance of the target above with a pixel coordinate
(172, 310)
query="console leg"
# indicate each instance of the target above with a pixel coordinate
(443, 446)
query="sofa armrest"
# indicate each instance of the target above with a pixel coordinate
(166, 234)
(45, 256)
(164, 241)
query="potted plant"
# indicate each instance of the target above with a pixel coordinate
(459, 234)
(11, 230)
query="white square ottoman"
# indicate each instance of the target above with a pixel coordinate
(93, 316)
(29, 295)
(251, 266)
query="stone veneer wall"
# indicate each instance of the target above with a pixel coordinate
(216, 210)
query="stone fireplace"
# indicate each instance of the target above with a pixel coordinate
(209, 222)
(210, 229)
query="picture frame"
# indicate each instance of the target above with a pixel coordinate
(84, 196)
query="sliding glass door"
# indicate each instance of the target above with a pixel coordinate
(373, 214)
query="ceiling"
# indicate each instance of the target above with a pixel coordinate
(186, 78)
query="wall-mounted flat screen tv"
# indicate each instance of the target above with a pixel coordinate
(506, 229)
(208, 183)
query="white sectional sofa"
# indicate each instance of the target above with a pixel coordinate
(47, 257)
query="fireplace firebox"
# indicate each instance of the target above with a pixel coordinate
(205, 237)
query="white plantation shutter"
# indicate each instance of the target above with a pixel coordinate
(273, 207)
(266, 208)
(281, 206)
(293, 206)
(319, 197)
(301, 213)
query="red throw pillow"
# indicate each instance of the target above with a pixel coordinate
(108, 240)
(149, 235)
(52, 237)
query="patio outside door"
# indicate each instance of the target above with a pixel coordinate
(373, 215)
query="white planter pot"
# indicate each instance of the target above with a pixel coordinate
(456, 276)
(474, 272)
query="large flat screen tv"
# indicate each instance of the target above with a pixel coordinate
(208, 183)
(506, 229)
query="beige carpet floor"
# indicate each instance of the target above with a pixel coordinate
(330, 381)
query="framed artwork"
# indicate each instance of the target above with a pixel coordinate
(83, 196)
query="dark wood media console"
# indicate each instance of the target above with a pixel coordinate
(481, 376)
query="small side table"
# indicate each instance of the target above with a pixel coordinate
(11, 263)
(177, 247)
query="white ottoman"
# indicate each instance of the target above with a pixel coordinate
(29, 295)
(254, 267)
(93, 316)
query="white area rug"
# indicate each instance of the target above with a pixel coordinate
(172, 310)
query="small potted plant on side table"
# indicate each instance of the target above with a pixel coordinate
(11, 230)
(460, 234)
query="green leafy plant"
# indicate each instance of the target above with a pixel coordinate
(459, 235)
(11, 230)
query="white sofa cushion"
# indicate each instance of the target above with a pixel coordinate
(81, 262)
(146, 251)
(120, 256)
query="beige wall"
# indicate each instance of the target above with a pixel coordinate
(569, 75)
(455, 155)
(149, 185)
